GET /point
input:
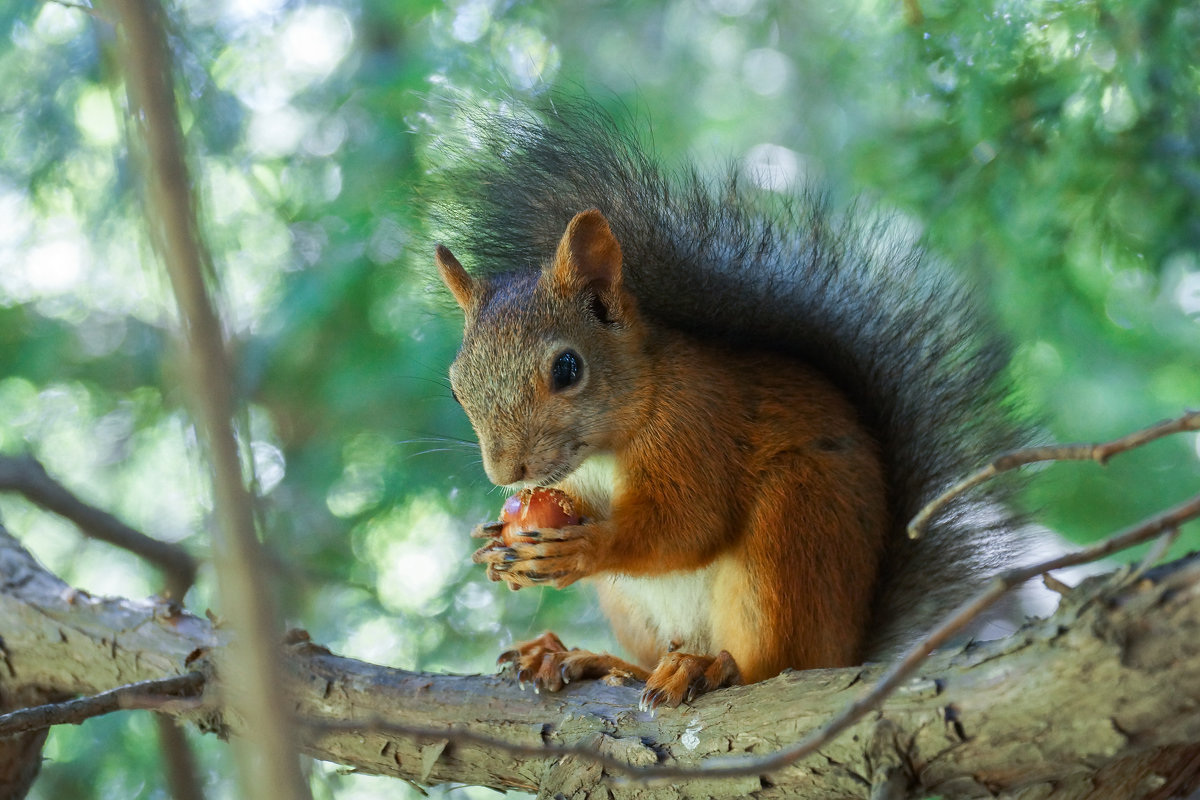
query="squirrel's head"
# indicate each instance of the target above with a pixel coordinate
(548, 363)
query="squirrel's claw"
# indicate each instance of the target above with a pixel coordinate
(488, 530)
(538, 662)
(484, 555)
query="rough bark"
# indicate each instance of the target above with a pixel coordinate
(1098, 701)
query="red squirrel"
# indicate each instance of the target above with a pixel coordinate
(745, 402)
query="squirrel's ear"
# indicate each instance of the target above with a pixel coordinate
(588, 255)
(457, 280)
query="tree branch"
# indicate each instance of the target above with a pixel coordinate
(1121, 662)
(26, 475)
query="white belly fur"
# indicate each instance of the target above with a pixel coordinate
(675, 608)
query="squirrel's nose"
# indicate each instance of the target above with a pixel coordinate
(503, 472)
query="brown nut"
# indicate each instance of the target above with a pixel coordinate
(531, 509)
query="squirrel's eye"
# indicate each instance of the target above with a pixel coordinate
(565, 370)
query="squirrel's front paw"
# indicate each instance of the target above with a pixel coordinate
(555, 556)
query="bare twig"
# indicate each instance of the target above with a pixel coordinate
(268, 757)
(144, 694)
(26, 475)
(1100, 453)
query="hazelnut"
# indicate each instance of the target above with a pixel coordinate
(531, 509)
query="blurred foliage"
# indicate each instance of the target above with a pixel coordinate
(1049, 149)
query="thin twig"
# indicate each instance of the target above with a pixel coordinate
(745, 766)
(1100, 453)
(144, 694)
(26, 475)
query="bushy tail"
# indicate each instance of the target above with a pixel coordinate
(723, 260)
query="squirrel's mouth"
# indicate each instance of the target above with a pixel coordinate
(562, 467)
(556, 474)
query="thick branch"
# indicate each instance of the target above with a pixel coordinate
(1109, 679)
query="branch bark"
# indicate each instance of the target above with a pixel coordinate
(1097, 701)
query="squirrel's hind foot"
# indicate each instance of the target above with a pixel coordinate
(546, 663)
(681, 677)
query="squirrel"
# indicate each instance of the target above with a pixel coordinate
(746, 395)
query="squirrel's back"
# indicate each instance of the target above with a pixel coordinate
(723, 261)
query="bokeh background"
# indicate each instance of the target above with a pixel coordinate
(1049, 150)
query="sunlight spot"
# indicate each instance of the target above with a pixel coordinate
(96, 118)
(277, 132)
(773, 167)
(382, 641)
(1181, 278)
(324, 138)
(471, 20)
(315, 40)
(532, 59)
(418, 550)
(766, 70)
(269, 465)
(56, 263)
(1117, 110)
(356, 491)
(474, 596)
(413, 574)
(246, 10)
(56, 24)
(387, 241)
(726, 48)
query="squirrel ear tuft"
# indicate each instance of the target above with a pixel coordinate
(588, 255)
(457, 279)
